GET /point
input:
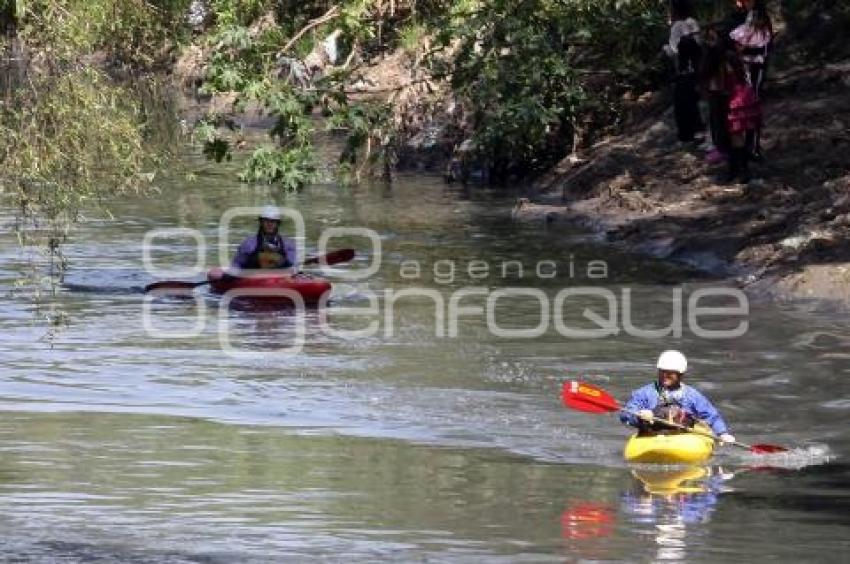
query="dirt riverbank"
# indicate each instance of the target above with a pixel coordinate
(783, 234)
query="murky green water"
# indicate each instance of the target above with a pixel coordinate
(120, 442)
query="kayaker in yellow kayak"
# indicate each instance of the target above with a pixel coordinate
(668, 398)
(268, 248)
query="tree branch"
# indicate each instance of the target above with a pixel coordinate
(329, 15)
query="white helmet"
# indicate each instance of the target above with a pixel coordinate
(673, 360)
(270, 212)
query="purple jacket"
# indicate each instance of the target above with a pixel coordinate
(246, 255)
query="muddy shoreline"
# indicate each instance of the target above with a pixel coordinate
(783, 235)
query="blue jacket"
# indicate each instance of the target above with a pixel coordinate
(690, 400)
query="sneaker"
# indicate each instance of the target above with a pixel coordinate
(706, 145)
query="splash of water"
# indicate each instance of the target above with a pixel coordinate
(795, 458)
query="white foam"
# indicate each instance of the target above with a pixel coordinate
(795, 458)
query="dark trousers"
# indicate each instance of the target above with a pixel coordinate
(739, 168)
(718, 110)
(756, 74)
(686, 107)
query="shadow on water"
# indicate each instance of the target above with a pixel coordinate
(815, 493)
(102, 289)
(68, 551)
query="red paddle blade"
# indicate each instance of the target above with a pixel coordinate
(766, 449)
(584, 397)
(334, 257)
(342, 255)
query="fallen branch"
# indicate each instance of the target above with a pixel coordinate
(392, 89)
(350, 57)
(329, 15)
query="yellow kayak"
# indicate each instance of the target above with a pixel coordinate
(682, 448)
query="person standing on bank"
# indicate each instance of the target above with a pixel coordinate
(752, 41)
(683, 46)
(744, 119)
(714, 81)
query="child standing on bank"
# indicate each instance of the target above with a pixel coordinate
(752, 41)
(744, 118)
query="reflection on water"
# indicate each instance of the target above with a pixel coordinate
(670, 505)
(587, 528)
(672, 501)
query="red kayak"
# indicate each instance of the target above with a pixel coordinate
(272, 285)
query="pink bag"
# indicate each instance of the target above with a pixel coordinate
(744, 109)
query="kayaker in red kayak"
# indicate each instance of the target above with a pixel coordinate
(668, 398)
(268, 248)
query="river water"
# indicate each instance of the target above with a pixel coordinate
(128, 434)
